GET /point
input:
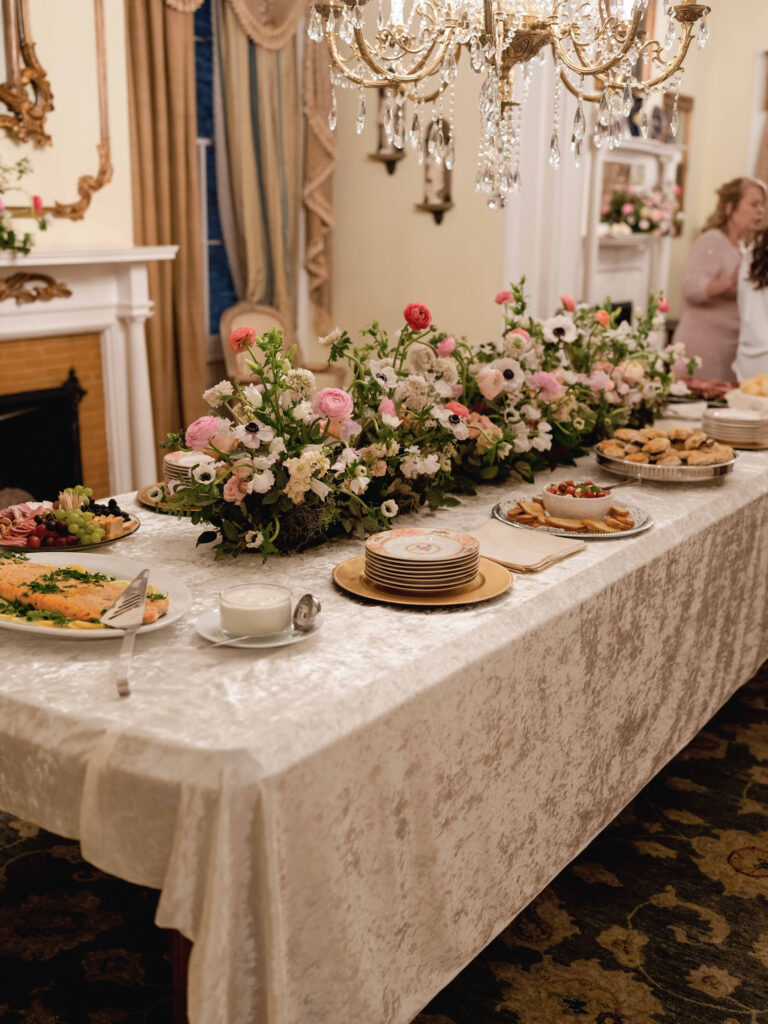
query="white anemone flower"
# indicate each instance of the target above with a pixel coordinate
(254, 434)
(254, 539)
(560, 329)
(512, 372)
(390, 508)
(204, 474)
(453, 422)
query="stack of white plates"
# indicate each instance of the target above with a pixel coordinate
(421, 560)
(177, 466)
(743, 428)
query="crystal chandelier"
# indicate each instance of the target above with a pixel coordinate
(410, 50)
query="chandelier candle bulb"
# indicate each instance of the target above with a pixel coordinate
(255, 609)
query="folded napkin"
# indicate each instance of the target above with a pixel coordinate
(523, 550)
(684, 410)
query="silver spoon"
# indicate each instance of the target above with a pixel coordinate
(304, 614)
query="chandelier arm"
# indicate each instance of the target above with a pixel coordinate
(670, 69)
(597, 69)
(352, 76)
(589, 97)
(425, 67)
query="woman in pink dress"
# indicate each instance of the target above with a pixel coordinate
(709, 326)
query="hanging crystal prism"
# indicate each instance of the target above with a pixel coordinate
(398, 136)
(490, 99)
(644, 118)
(703, 34)
(496, 201)
(333, 112)
(358, 16)
(597, 137)
(516, 179)
(346, 31)
(604, 110)
(315, 26)
(450, 153)
(360, 119)
(554, 150)
(420, 153)
(416, 130)
(440, 143)
(579, 122)
(331, 23)
(669, 38)
(431, 139)
(450, 70)
(629, 98)
(380, 17)
(389, 115)
(674, 121)
(576, 147)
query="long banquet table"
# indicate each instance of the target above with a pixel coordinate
(340, 826)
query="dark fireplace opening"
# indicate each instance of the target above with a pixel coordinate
(40, 440)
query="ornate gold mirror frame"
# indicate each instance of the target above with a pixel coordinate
(87, 184)
(26, 91)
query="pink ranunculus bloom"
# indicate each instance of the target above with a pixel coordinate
(551, 388)
(490, 381)
(628, 208)
(446, 346)
(603, 317)
(605, 208)
(37, 203)
(644, 224)
(502, 298)
(387, 407)
(234, 490)
(203, 430)
(678, 191)
(240, 338)
(333, 403)
(522, 331)
(568, 303)
(417, 316)
(663, 304)
(458, 408)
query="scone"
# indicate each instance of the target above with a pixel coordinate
(638, 457)
(657, 445)
(626, 434)
(679, 433)
(671, 459)
(696, 440)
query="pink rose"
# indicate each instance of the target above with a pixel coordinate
(387, 407)
(446, 346)
(417, 316)
(37, 203)
(551, 388)
(519, 331)
(663, 304)
(603, 317)
(502, 298)
(678, 191)
(240, 338)
(333, 403)
(605, 208)
(644, 224)
(490, 381)
(568, 303)
(628, 208)
(223, 442)
(199, 433)
(234, 490)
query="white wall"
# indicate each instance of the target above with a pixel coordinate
(65, 41)
(388, 254)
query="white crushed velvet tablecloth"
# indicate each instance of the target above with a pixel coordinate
(341, 825)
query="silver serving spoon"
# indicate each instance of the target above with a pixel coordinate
(304, 614)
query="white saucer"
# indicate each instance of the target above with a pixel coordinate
(209, 626)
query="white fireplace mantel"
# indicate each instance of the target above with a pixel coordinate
(110, 296)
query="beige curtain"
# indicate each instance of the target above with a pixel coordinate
(258, 147)
(166, 202)
(319, 165)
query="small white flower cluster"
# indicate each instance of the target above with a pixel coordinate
(215, 395)
(303, 472)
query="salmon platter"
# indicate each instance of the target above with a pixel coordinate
(68, 596)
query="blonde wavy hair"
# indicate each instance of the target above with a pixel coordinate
(729, 196)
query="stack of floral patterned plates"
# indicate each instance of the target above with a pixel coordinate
(177, 467)
(421, 560)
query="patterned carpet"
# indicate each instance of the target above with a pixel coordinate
(662, 920)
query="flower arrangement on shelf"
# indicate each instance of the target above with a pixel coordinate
(424, 417)
(630, 212)
(10, 239)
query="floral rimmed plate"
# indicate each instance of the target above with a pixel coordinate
(492, 579)
(420, 545)
(643, 521)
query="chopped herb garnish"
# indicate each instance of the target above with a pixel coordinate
(19, 610)
(43, 585)
(80, 575)
(18, 556)
(156, 597)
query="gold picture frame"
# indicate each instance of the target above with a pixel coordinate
(87, 184)
(26, 91)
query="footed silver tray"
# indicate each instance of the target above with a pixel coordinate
(643, 522)
(664, 474)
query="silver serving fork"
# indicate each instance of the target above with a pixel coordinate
(127, 613)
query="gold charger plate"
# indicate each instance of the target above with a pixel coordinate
(164, 507)
(492, 579)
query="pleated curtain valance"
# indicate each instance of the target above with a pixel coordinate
(268, 23)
